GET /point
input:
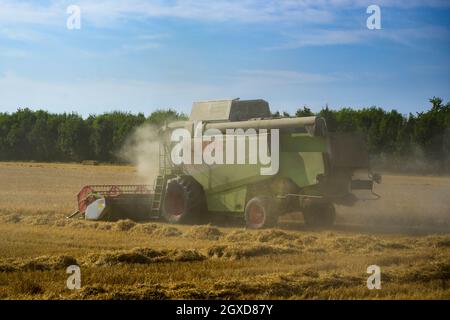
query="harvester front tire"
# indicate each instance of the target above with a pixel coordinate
(319, 215)
(184, 201)
(260, 213)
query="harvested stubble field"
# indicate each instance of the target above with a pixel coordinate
(406, 233)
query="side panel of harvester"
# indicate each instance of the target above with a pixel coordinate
(301, 159)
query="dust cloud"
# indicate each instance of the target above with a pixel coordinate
(141, 149)
(406, 201)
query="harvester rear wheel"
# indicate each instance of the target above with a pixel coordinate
(319, 214)
(184, 201)
(260, 213)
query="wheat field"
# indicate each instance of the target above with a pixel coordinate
(406, 233)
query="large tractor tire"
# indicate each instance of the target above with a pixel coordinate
(184, 201)
(319, 215)
(260, 212)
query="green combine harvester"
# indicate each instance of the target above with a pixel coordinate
(312, 170)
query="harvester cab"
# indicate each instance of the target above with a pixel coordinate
(212, 164)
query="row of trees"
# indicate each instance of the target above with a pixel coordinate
(43, 136)
(393, 139)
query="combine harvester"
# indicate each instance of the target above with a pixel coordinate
(316, 170)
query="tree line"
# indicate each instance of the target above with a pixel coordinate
(43, 136)
(419, 141)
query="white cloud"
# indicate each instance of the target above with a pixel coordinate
(141, 43)
(107, 12)
(283, 77)
(319, 37)
(156, 36)
(20, 34)
(28, 12)
(323, 38)
(130, 48)
(13, 53)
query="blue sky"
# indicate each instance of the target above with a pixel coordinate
(142, 55)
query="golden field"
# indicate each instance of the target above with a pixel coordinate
(406, 233)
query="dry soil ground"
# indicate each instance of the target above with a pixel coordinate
(406, 233)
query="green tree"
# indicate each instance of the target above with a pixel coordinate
(17, 138)
(304, 112)
(73, 138)
(43, 136)
(160, 117)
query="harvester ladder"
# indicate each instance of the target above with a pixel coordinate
(158, 196)
(164, 165)
(166, 172)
